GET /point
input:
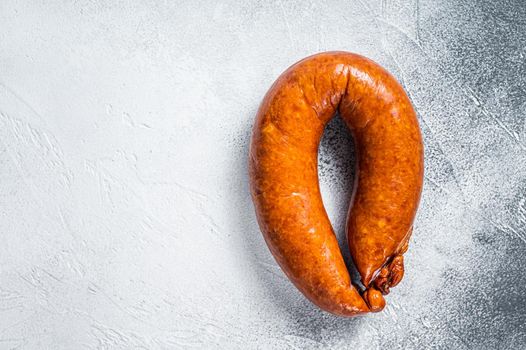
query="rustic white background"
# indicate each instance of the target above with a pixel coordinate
(125, 217)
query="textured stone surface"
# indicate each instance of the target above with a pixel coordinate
(125, 214)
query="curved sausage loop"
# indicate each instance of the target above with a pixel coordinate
(284, 178)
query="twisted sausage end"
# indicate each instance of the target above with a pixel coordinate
(374, 298)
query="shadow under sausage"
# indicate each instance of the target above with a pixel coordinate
(336, 169)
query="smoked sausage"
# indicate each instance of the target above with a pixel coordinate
(284, 178)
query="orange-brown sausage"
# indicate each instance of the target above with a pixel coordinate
(284, 177)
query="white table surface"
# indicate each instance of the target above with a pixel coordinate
(125, 215)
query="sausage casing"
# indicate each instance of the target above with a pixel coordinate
(284, 177)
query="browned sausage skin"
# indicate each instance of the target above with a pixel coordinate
(284, 177)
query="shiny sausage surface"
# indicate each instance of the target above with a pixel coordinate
(284, 178)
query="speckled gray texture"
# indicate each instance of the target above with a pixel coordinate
(125, 214)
